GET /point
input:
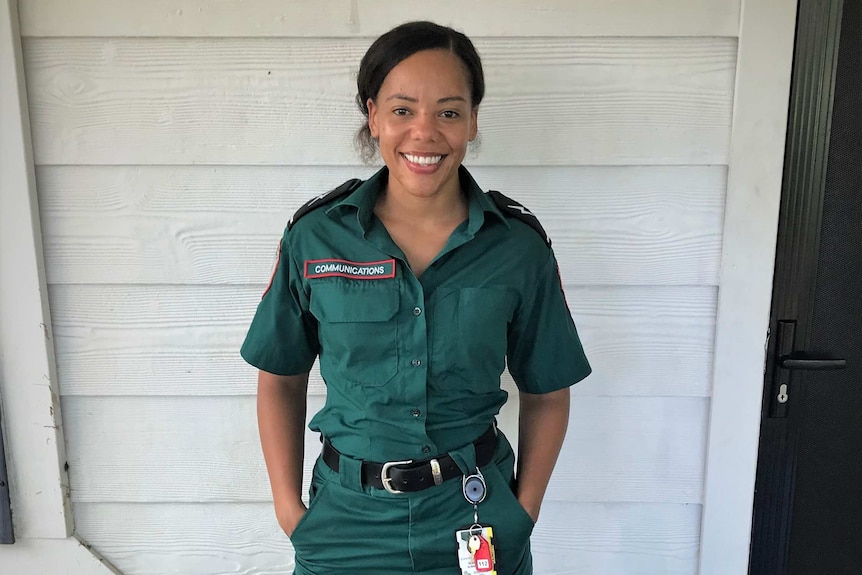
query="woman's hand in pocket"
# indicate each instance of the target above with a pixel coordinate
(532, 509)
(288, 516)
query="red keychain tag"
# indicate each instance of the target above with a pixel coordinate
(476, 554)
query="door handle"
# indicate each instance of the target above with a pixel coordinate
(811, 363)
(788, 359)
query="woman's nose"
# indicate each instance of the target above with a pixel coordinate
(425, 126)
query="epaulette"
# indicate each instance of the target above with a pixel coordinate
(323, 199)
(518, 211)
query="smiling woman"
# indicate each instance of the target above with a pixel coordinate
(423, 124)
(398, 45)
(415, 289)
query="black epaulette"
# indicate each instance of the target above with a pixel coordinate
(518, 211)
(323, 199)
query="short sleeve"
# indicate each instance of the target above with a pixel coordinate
(282, 338)
(544, 351)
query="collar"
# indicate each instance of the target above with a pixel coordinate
(363, 198)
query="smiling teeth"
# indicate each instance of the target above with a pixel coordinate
(423, 160)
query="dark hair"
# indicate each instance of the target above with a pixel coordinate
(399, 44)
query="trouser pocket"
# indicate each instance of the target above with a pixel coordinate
(346, 531)
(436, 517)
(315, 494)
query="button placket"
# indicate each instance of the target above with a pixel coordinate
(416, 348)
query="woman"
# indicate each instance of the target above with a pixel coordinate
(414, 288)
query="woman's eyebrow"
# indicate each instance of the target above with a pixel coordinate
(402, 97)
(415, 100)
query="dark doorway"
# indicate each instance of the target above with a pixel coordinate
(808, 493)
(7, 535)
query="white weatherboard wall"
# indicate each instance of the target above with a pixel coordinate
(173, 140)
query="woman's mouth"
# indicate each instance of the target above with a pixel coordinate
(423, 160)
(423, 164)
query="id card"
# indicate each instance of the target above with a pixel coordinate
(476, 551)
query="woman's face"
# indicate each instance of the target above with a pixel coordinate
(423, 119)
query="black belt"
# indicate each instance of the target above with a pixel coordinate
(409, 476)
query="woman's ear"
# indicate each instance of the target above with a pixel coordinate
(372, 118)
(474, 123)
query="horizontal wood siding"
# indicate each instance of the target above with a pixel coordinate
(221, 225)
(617, 539)
(337, 18)
(184, 340)
(205, 449)
(560, 101)
(174, 139)
(180, 538)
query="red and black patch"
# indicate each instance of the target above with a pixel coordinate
(315, 269)
(274, 270)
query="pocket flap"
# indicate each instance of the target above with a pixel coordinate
(342, 303)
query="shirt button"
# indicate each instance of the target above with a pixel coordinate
(416, 413)
(426, 449)
(416, 362)
(417, 311)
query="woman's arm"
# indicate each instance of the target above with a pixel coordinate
(281, 423)
(541, 429)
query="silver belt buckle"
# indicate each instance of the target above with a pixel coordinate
(384, 475)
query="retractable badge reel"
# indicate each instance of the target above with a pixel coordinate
(475, 544)
(474, 490)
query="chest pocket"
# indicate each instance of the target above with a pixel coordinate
(357, 330)
(470, 332)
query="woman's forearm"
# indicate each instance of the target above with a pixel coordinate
(541, 430)
(281, 404)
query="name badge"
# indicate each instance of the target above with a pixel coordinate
(384, 269)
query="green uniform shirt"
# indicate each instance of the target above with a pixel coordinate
(412, 366)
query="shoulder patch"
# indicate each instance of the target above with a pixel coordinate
(323, 199)
(512, 208)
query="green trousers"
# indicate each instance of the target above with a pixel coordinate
(360, 530)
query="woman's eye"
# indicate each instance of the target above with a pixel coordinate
(450, 114)
(400, 111)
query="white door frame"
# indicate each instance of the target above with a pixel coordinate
(764, 64)
(35, 447)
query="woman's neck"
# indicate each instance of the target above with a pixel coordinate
(439, 209)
